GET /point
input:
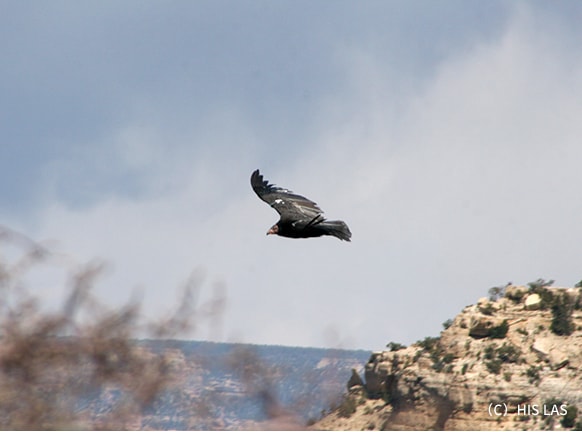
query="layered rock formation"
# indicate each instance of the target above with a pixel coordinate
(509, 363)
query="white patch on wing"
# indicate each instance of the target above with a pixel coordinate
(279, 201)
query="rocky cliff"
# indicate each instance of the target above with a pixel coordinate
(511, 361)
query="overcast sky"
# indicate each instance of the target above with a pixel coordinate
(448, 135)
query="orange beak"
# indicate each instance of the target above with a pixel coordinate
(273, 230)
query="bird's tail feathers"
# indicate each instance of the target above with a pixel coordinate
(336, 228)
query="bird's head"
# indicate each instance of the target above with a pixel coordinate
(273, 230)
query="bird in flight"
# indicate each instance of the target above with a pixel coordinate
(300, 217)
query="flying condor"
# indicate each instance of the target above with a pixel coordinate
(300, 217)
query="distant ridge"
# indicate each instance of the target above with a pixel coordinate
(227, 385)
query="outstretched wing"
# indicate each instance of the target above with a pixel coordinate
(289, 205)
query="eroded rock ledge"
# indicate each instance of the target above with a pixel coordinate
(521, 348)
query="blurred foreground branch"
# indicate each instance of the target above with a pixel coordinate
(53, 365)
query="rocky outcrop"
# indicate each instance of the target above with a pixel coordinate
(533, 302)
(355, 380)
(500, 365)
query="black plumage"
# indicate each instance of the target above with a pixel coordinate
(300, 217)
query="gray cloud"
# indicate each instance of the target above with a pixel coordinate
(448, 145)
